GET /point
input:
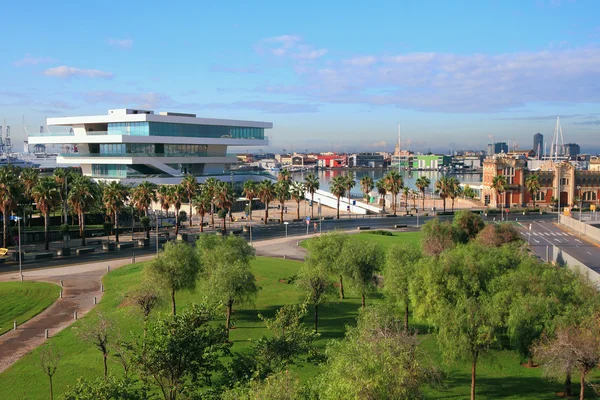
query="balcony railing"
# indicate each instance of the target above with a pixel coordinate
(51, 134)
(149, 176)
(129, 155)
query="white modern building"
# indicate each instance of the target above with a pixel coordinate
(135, 145)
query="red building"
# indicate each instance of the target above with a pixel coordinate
(331, 161)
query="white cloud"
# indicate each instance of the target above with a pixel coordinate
(28, 59)
(71, 72)
(122, 43)
(289, 46)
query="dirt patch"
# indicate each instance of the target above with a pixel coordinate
(526, 365)
(125, 303)
(562, 394)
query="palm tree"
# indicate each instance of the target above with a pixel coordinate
(284, 175)
(282, 193)
(202, 203)
(29, 178)
(224, 199)
(381, 191)
(46, 196)
(83, 193)
(142, 197)
(165, 197)
(61, 176)
(406, 191)
(297, 193)
(114, 196)
(499, 185)
(442, 188)
(190, 186)
(266, 193)
(11, 191)
(250, 189)
(422, 184)
(394, 184)
(210, 185)
(178, 195)
(311, 183)
(350, 183)
(455, 189)
(532, 183)
(366, 185)
(338, 189)
(413, 195)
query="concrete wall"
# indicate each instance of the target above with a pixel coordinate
(580, 227)
(329, 200)
(562, 258)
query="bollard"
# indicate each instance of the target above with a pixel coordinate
(108, 268)
(21, 277)
(102, 288)
(297, 243)
(47, 330)
(133, 259)
(547, 253)
(60, 295)
(75, 315)
(95, 300)
(61, 283)
(284, 256)
(15, 325)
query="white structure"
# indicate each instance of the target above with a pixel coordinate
(135, 145)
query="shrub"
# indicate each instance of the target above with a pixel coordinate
(380, 232)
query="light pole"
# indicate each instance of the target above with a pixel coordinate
(558, 195)
(286, 225)
(156, 217)
(250, 225)
(19, 232)
(580, 202)
(320, 219)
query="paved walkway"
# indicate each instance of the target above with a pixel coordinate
(81, 283)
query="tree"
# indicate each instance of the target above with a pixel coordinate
(574, 348)
(338, 189)
(183, 348)
(422, 184)
(280, 386)
(84, 192)
(297, 191)
(467, 225)
(532, 183)
(496, 235)
(377, 359)
(406, 191)
(455, 293)
(178, 193)
(284, 175)
(142, 197)
(394, 183)
(437, 236)
(99, 334)
(29, 177)
(224, 199)
(325, 251)
(350, 183)
(282, 193)
(61, 177)
(401, 261)
(443, 188)
(362, 261)
(250, 191)
(312, 185)
(11, 190)
(45, 194)
(145, 297)
(499, 185)
(190, 186)
(105, 389)
(229, 277)
(266, 193)
(381, 191)
(49, 360)
(202, 204)
(210, 185)
(314, 279)
(366, 186)
(469, 193)
(175, 268)
(455, 189)
(114, 196)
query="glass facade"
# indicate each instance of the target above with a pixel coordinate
(151, 149)
(184, 130)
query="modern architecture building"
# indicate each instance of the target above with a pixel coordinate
(572, 150)
(134, 145)
(369, 160)
(431, 161)
(497, 148)
(538, 144)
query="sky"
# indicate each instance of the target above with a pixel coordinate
(330, 75)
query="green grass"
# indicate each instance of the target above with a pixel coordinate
(385, 241)
(21, 301)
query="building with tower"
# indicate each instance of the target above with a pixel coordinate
(538, 144)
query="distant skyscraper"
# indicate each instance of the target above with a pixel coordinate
(497, 148)
(572, 150)
(538, 144)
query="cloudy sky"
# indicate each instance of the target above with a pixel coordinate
(330, 75)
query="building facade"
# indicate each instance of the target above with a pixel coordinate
(572, 150)
(538, 144)
(431, 161)
(135, 145)
(554, 178)
(368, 160)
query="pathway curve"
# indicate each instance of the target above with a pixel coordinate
(81, 283)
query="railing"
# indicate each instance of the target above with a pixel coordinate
(150, 176)
(128, 155)
(50, 134)
(124, 133)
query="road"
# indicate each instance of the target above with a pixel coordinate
(545, 234)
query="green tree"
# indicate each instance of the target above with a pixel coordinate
(314, 280)
(181, 349)
(532, 183)
(84, 192)
(422, 184)
(325, 251)
(366, 186)
(49, 360)
(229, 277)
(362, 260)
(338, 189)
(282, 193)
(499, 185)
(250, 191)
(443, 188)
(406, 191)
(381, 191)
(280, 386)
(394, 184)
(11, 190)
(350, 183)
(467, 225)
(469, 193)
(210, 185)
(175, 268)
(61, 177)
(191, 187)
(266, 193)
(311, 182)
(297, 194)
(106, 389)
(45, 194)
(455, 294)
(178, 193)
(202, 204)
(224, 199)
(400, 265)
(284, 175)
(455, 189)
(142, 197)
(437, 236)
(99, 333)
(113, 197)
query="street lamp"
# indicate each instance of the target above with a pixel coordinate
(286, 225)
(249, 224)
(156, 217)
(320, 219)
(18, 219)
(580, 202)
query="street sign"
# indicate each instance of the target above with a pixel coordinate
(286, 223)
(307, 220)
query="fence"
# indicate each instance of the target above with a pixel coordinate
(580, 227)
(563, 258)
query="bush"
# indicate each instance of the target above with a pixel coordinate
(182, 216)
(289, 280)
(380, 232)
(107, 226)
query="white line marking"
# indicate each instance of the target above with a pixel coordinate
(578, 241)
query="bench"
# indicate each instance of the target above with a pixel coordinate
(400, 226)
(124, 245)
(97, 234)
(93, 242)
(363, 228)
(85, 250)
(39, 256)
(3, 252)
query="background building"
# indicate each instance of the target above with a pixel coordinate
(369, 160)
(572, 150)
(538, 144)
(431, 161)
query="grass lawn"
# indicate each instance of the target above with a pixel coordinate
(385, 241)
(21, 301)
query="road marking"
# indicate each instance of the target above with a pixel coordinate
(535, 240)
(589, 253)
(578, 241)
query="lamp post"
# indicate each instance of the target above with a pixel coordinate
(580, 202)
(250, 225)
(156, 217)
(286, 225)
(558, 196)
(19, 233)
(320, 219)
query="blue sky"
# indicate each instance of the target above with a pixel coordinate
(329, 75)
